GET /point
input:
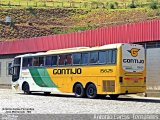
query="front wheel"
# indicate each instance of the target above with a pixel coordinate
(91, 91)
(26, 88)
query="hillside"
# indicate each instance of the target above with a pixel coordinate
(34, 22)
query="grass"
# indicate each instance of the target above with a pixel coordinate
(39, 18)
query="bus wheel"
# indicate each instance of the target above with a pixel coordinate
(91, 91)
(25, 88)
(47, 93)
(113, 97)
(79, 90)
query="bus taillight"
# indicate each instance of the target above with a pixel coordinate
(144, 79)
(120, 80)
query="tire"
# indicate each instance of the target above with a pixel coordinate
(91, 91)
(26, 88)
(79, 91)
(47, 93)
(113, 97)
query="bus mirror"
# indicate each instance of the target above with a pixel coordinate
(11, 70)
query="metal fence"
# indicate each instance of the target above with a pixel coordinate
(72, 4)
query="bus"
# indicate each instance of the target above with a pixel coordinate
(114, 69)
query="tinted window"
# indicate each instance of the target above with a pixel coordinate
(27, 62)
(41, 61)
(48, 61)
(54, 60)
(94, 57)
(102, 57)
(76, 58)
(114, 56)
(38, 61)
(111, 56)
(85, 57)
(17, 61)
(68, 59)
(62, 59)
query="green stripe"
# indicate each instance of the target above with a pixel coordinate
(41, 77)
(46, 78)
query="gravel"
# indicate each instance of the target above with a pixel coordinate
(68, 104)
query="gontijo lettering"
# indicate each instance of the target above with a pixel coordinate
(67, 71)
(133, 61)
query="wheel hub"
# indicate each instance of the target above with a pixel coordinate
(78, 91)
(91, 91)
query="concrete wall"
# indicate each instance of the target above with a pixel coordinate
(153, 69)
(5, 78)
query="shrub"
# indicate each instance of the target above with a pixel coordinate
(132, 5)
(111, 6)
(31, 10)
(94, 4)
(116, 4)
(153, 4)
(79, 28)
(57, 30)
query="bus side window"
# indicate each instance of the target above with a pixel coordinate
(76, 58)
(102, 57)
(61, 59)
(68, 60)
(48, 60)
(109, 56)
(114, 56)
(41, 61)
(38, 61)
(85, 58)
(94, 57)
(54, 60)
(27, 62)
(35, 61)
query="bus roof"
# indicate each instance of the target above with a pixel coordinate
(73, 50)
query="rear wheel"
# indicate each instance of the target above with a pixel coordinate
(113, 97)
(79, 90)
(26, 88)
(91, 91)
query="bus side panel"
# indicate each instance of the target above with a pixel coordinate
(65, 80)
